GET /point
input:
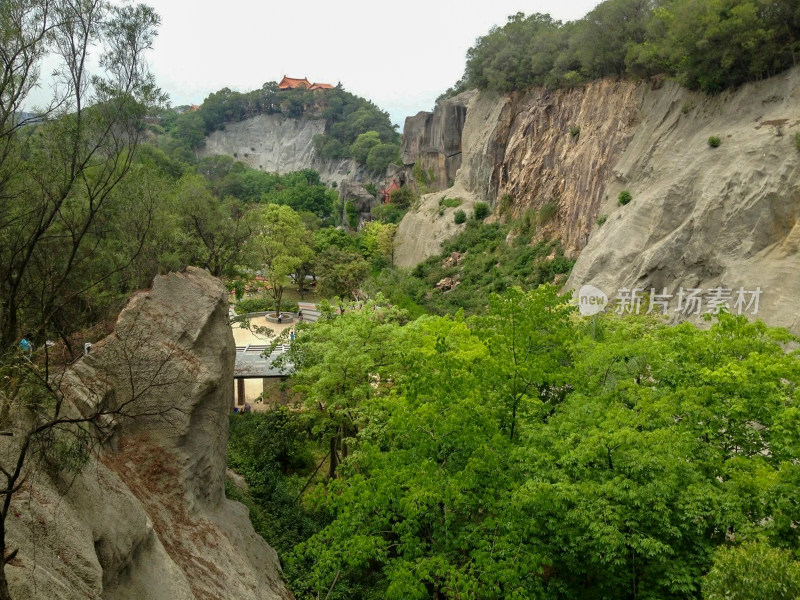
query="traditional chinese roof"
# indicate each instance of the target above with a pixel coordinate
(288, 83)
(389, 189)
(321, 86)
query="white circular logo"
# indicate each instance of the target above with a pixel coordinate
(591, 300)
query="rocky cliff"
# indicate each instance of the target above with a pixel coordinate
(147, 517)
(432, 142)
(277, 144)
(701, 217)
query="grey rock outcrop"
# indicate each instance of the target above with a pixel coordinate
(362, 200)
(705, 217)
(277, 144)
(148, 517)
(432, 140)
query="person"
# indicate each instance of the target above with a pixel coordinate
(280, 318)
(291, 335)
(25, 345)
(247, 407)
(300, 316)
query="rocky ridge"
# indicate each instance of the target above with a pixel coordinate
(147, 517)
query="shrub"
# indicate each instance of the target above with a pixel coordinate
(714, 141)
(574, 131)
(481, 211)
(601, 219)
(547, 212)
(402, 197)
(624, 197)
(460, 217)
(352, 214)
(505, 203)
(449, 202)
(797, 140)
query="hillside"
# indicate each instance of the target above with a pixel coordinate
(700, 216)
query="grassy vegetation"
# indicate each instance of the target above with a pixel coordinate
(489, 264)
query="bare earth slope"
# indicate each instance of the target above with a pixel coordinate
(147, 518)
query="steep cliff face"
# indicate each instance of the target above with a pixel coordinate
(276, 144)
(147, 517)
(432, 142)
(703, 217)
(544, 147)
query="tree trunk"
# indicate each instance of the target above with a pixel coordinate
(334, 460)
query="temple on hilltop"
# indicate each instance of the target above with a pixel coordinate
(289, 83)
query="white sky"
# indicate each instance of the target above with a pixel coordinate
(400, 55)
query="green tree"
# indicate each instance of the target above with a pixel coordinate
(281, 248)
(340, 272)
(381, 156)
(752, 571)
(57, 180)
(365, 142)
(529, 337)
(216, 234)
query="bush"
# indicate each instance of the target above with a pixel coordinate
(547, 211)
(624, 197)
(460, 217)
(481, 211)
(574, 131)
(797, 140)
(402, 197)
(449, 202)
(601, 219)
(714, 141)
(753, 571)
(505, 203)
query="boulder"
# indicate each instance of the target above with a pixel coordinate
(147, 517)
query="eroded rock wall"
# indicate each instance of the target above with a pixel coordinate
(147, 517)
(704, 217)
(433, 142)
(277, 144)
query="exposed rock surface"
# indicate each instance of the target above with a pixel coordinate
(701, 217)
(705, 217)
(277, 144)
(147, 518)
(351, 191)
(432, 140)
(528, 146)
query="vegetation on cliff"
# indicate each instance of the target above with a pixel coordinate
(710, 45)
(346, 117)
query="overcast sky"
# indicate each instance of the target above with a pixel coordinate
(400, 55)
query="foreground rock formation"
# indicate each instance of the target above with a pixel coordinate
(147, 517)
(700, 218)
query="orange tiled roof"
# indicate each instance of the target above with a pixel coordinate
(321, 86)
(288, 83)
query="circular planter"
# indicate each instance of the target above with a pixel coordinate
(285, 317)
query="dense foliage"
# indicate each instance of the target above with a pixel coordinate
(525, 453)
(706, 44)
